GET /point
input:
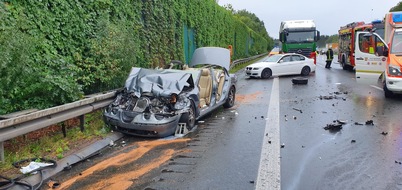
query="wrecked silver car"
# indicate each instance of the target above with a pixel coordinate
(156, 102)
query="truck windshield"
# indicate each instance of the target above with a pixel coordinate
(303, 36)
(397, 43)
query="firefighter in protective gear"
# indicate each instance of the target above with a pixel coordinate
(330, 56)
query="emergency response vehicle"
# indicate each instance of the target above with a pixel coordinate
(299, 36)
(380, 59)
(346, 40)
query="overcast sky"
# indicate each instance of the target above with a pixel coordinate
(328, 15)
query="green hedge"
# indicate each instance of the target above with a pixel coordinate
(54, 51)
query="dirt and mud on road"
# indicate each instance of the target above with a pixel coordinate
(127, 166)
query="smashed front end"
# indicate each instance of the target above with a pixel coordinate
(151, 103)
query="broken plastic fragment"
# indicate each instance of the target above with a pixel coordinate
(341, 122)
(333, 127)
(369, 122)
(299, 110)
(34, 166)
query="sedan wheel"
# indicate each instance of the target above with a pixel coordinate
(191, 117)
(266, 73)
(230, 100)
(305, 71)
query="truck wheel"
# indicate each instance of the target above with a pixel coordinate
(344, 66)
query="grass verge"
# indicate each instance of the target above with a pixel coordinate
(50, 142)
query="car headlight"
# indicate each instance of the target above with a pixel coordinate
(394, 70)
(181, 103)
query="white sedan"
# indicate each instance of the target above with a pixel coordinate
(281, 64)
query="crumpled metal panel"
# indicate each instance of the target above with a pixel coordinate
(211, 55)
(158, 82)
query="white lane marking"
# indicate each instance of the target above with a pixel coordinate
(269, 171)
(376, 87)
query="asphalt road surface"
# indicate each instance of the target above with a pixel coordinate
(273, 138)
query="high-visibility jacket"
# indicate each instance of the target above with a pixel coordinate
(330, 55)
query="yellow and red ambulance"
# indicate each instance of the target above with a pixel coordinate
(378, 58)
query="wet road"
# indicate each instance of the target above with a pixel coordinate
(357, 156)
(225, 150)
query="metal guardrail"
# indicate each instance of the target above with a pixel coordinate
(241, 61)
(22, 124)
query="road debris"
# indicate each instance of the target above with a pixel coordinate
(352, 141)
(283, 145)
(396, 162)
(384, 133)
(299, 110)
(326, 97)
(369, 122)
(53, 184)
(335, 126)
(357, 123)
(340, 121)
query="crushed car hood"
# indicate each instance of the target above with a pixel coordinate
(158, 82)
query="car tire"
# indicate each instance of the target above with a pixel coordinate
(387, 93)
(300, 80)
(189, 118)
(230, 100)
(305, 71)
(266, 73)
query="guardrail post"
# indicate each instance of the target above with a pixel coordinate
(63, 128)
(1, 151)
(82, 122)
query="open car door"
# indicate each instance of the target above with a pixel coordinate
(370, 57)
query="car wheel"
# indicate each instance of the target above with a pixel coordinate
(387, 93)
(191, 117)
(305, 71)
(266, 73)
(230, 100)
(299, 80)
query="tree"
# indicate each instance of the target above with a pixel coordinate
(253, 22)
(398, 7)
